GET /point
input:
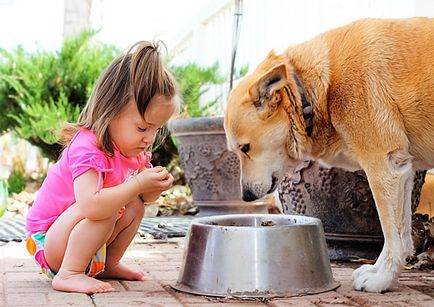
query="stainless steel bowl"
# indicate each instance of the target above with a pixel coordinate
(257, 255)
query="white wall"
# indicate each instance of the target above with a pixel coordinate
(31, 24)
(124, 22)
(39, 24)
(276, 24)
(76, 16)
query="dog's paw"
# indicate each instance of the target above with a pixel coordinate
(364, 268)
(370, 281)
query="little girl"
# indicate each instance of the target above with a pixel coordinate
(90, 206)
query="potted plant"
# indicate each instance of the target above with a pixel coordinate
(344, 203)
(212, 172)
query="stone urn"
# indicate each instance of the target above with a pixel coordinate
(211, 170)
(344, 203)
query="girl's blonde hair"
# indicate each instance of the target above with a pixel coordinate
(138, 74)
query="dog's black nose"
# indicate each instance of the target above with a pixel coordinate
(249, 196)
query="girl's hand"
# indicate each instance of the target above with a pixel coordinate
(153, 180)
(151, 196)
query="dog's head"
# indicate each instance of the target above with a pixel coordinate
(264, 125)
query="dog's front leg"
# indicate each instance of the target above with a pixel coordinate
(391, 181)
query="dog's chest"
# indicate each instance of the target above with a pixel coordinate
(340, 160)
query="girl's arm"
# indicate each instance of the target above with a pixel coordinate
(107, 202)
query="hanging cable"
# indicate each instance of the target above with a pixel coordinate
(238, 13)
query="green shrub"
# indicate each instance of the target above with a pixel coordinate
(242, 72)
(40, 91)
(3, 196)
(194, 81)
(16, 181)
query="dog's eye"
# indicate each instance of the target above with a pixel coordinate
(245, 148)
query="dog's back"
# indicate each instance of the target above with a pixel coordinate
(390, 63)
(397, 55)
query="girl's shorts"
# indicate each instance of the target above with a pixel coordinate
(35, 246)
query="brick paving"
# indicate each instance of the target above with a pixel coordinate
(22, 284)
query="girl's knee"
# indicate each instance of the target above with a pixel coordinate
(108, 223)
(112, 219)
(135, 208)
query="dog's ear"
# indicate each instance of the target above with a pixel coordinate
(266, 91)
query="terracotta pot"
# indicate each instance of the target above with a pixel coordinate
(343, 202)
(211, 170)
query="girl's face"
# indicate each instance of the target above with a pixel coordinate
(132, 133)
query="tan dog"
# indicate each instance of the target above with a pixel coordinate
(356, 97)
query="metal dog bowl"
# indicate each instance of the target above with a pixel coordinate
(258, 255)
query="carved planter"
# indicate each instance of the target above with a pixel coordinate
(344, 203)
(212, 172)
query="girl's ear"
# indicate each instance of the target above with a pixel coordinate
(177, 102)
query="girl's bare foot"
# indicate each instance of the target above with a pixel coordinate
(73, 282)
(120, 271)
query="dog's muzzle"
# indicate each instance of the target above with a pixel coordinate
(249, 196)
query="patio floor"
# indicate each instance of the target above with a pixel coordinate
(22, 284)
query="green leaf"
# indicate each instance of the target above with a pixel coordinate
(3, 196)
(40, 90)
(194, 81)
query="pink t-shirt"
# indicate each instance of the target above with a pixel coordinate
(57, 191)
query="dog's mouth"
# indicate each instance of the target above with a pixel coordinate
(274, 182)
